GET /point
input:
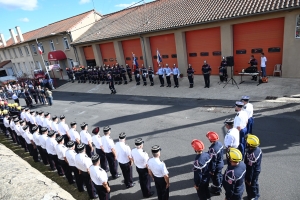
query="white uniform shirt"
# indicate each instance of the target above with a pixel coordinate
(61, 151)
(123, 152)
(74, 135)
(83, 162)
(107, 143)
(85, 137)
(23, 115)
(248, 108)
(37, 119)
(12, 125)
(50, 146)
(36, 140)
(47, 123)
(263, 61)
(232, 138)
(17, 130)
(54, 126)
(22, 132)
(40, 120)
(70, 156)
(98, 175)
(97, 141)
(28, 137)
(27, 116)
(32, 119)
(157, 167)
(43, 138)
(140, 158)
(63, 128)
(168, 71)
(241, 119)
(6, 122)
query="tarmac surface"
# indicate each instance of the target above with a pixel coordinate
(173, 117)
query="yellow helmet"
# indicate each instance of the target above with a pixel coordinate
(1, 102)
(0, 112)
(19, 108)
(235, 155)
(16, 104)
(9, 105)
(5, 112)
(253, 141)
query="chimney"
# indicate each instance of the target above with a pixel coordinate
(13, 36)
(20, 34)
(2, 39)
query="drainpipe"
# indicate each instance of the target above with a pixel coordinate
(74, 48)
(143, 43)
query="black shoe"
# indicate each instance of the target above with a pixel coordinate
(150, 195)
(112, 92)
(205, 87)
(131, 185)
(162, 86)
(103, 82)
(117, 176)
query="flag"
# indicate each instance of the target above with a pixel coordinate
(135, 63)
(40, 49)
(159, 60)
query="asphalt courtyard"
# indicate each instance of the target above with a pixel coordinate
(172, 118)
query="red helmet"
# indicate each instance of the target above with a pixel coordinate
(5, 103)
(197, 145)
(212, 136)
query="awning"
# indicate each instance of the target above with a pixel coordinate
(56, 55)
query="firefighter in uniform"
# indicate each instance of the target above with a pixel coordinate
(223, 70)
(108, 71)
(201, 170)
(85, 74)
(151, 75)
(119, 72)
(176, 74)
(96, 138)
(99, 178)
(90, 74)
(161, 73)
(123, 74)
(240, 123)
(253, 159)
(234, 176)
(159, 173)
(140, 158)
(125, 160)
(216, 164)
(50, 147)
(86, 139)
(248, 107)
(128, 69)
(137, 75)
(253, 63)
(168, 72)
(206, 69)
(190, 72)
(144, 74)
(111, 84)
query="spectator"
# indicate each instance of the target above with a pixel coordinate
(34, 94)
(15, 98)
(28, 98)
(41, 95)
(49, 97)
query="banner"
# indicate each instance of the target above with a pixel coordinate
(54, 67)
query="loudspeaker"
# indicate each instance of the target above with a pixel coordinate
(230, 61)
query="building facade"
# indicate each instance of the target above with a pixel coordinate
(187, 34)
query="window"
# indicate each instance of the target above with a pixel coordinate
(52, 47)
(26, 68)
(241, 51)
(34, 49)
(217, 53)
(42, 47)
(274, 49)
(192, 54)
(4, 55)
(297, 35)
(66, 43)
(38, 65)
(257, 50)
(165, 56)
(173, 55)
(204, 54)
(128, 58)
(71, 63)
(26, 50)
(20, 69)
(9, 53)
(46, 63)
(20, 51)
(15, 52)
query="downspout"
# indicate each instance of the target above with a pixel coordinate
(143, 43)
(74, 48)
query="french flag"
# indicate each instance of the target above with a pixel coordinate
(159, 59)
(135, 63)
(40, 49)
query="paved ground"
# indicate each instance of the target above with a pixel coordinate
(172, 117)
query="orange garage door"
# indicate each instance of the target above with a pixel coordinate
(132, 46)
(108, 53)
(255, 37)
(203, 45)
(89, 55)
(167, 49)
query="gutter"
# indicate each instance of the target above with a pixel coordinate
(188, 25)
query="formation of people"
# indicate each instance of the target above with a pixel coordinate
(90, 158)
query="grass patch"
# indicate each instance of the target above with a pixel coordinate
(61, 181)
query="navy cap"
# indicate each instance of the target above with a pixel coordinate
(32, 111)
(62, 117)
(25, 127)
(122, 135)
(16, 120)
(59, 138)
(83, 125)
(21, 121)
(239, 104)
(51, 133)
(95, 158)
(41, 112)
(34, 128)
(96, 130)
(54, 117)
(245, 98)
(155, 149)
(44, 129)
(106, 128)
(26, 109)
(229, 121)
(138, 141)
(15, 116)
(46, 114)
(70, 144)
(73, 123)
(80, 147)
(22, 108)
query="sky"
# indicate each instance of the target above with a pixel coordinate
(33, 14)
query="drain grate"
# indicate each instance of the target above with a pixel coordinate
(271, 98)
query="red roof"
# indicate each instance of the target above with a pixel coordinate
(56, 27)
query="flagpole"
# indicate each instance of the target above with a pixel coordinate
(42, 59)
